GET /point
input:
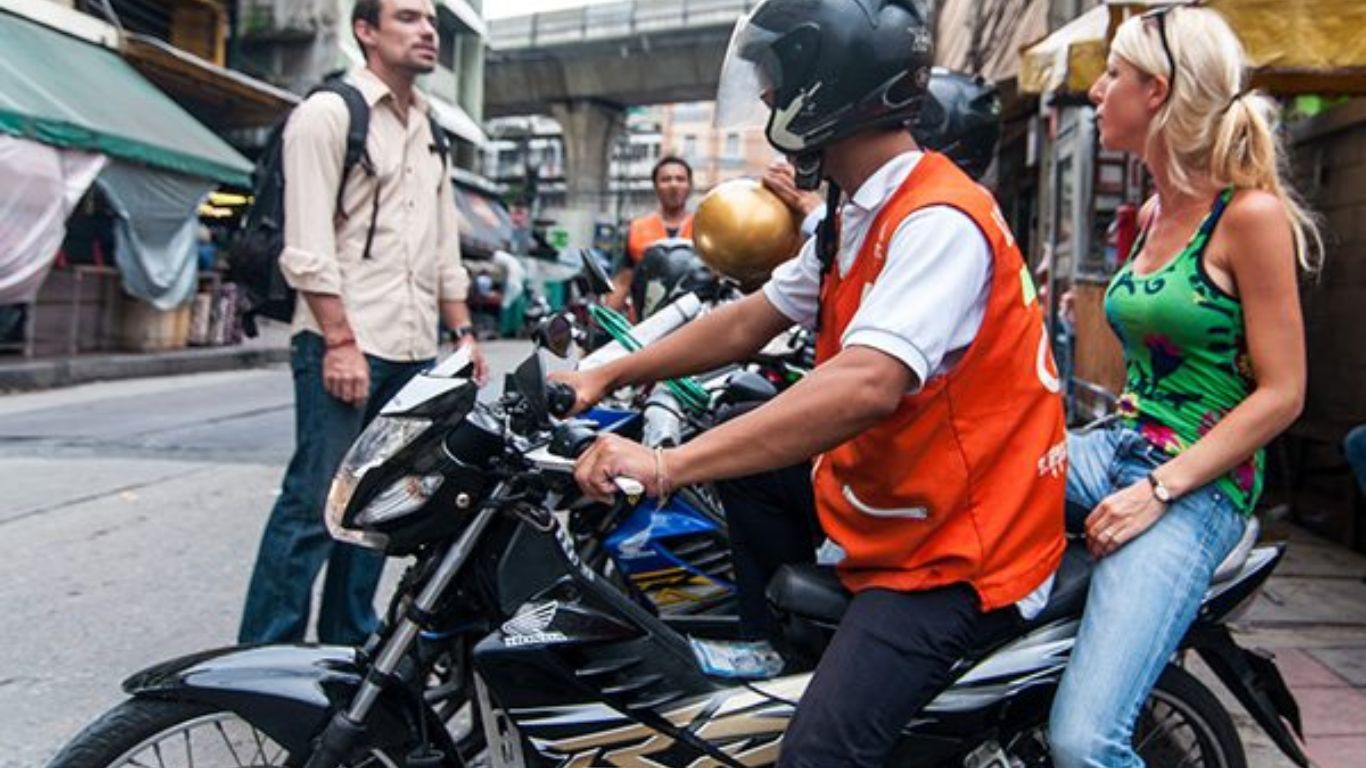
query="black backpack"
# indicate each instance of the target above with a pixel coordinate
(254, 256)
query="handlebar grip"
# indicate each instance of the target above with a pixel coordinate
(629, 487)
(560, 399)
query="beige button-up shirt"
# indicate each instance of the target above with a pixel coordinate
(391, 298)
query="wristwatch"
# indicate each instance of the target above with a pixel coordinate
(460, 333)
(1160, 491)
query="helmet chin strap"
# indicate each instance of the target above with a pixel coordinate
(808, 168)
(828, 241)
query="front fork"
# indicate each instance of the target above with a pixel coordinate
(346, 730)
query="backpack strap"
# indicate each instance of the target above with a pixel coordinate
(358, 129)
(440, 145)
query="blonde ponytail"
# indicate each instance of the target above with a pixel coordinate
(1209, 126)
(1248, 154)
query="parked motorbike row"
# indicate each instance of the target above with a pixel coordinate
(536, 627)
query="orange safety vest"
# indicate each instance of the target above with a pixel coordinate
(648, 230)
(964, 482)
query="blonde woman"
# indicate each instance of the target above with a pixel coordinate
(1208, 314)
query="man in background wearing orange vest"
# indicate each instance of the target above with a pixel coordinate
(672, 177)
(933, 412)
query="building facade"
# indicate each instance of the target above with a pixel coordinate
(297, 43)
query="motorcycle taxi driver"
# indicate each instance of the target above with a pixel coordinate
(932, 419)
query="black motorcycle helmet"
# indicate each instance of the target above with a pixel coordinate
(667, 270)
(961, 118)
(815, 71)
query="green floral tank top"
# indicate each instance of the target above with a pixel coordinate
(1185, 354)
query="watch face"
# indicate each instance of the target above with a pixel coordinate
(1159, 490)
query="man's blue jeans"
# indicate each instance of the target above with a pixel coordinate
(1355, 447)
(1143, 598)
(295, 545)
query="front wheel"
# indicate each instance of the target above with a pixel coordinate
(172, 734)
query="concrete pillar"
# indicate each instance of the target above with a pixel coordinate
(590, 130)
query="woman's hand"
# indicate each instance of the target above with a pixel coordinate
(589, 387)
(1122, 517)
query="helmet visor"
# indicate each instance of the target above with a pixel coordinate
(745, 94)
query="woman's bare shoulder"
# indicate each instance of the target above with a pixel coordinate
(1256, 225)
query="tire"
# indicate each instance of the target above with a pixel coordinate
(138, 728)
(1183, 703)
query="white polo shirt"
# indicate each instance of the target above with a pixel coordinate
(929, 300)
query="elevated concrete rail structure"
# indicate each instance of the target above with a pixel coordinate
(584, 66)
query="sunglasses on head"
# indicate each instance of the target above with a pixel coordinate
(1160, 16)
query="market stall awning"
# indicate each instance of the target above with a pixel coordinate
(1295, 46)
(1069, 59)
(222, 97)
(1302, 46)
(63, 91)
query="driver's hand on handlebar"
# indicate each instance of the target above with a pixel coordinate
(611, 457)
(589, 387)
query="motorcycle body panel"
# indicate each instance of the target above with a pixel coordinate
(287, 691)
(674, 553)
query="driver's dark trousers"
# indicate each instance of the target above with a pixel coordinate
(892, 652)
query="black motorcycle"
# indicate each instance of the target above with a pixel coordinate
(502, 647)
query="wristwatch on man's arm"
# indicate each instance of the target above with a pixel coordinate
(462, 333)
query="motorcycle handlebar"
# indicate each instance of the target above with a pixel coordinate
(560, 399)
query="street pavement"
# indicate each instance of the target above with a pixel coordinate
(131, 512)
(130, 515)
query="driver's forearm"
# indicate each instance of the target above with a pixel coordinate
(731, 333)
(854, 391)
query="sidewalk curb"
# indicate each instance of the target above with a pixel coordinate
(66, 371)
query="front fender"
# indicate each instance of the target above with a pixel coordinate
(287, 691)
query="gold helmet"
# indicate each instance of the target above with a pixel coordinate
(743, 231)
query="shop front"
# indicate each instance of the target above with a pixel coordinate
(101, 232)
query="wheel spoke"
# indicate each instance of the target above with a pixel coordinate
(260, 746)
(1159, 728)
(1187, 759)
(189, 750)
(156, 750)
(228, 743)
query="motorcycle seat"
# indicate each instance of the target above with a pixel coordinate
(810, 591)
(1070, 583)
(1233, 564)
(815, 591)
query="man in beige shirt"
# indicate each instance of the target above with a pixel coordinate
(376, 270)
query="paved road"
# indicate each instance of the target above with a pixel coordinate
(130, 515)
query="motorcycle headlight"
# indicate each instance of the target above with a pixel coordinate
(401, 497)
(379, 442)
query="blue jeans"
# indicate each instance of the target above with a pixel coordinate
(295, 545)
(1355, 448)
(1142, 599)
